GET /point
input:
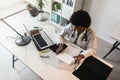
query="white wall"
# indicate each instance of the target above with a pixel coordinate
(4, 4)
(105, 16)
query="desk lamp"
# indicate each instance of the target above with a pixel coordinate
(35, 12)
(32, 10)
(21, 40)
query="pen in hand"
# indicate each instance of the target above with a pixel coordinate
(78, 57)
(59, 49)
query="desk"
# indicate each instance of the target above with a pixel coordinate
(47, 69)
(115, 35)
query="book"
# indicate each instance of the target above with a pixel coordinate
(52, 16)
(58, 19)
(66, 58)
(68, 54)
(73, 50)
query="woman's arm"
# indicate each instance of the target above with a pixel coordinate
(63, 33)
(91, 48)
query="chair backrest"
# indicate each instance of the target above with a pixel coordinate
(93, 68)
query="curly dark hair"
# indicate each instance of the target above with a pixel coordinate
(81, 18)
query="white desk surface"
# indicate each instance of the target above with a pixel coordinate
(48, 69)
(116, 34)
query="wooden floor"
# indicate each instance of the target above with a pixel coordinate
(21, 72)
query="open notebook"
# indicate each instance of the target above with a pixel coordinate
(66, 58)
(68, 54)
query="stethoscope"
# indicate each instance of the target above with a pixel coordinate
(84, 38)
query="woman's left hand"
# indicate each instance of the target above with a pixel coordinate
(59, 49)
(78, 58)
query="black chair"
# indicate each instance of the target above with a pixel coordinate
(93, 68)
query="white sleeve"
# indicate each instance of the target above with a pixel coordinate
(88, 52)
(65, 31)
(91, 50)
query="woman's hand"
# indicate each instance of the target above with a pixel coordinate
(59, 49)
(78, 58)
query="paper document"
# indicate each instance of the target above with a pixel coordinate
(73, 50)
(68, 54)
(66, 58)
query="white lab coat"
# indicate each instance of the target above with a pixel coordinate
(90, 44)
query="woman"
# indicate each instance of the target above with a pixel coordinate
(79, 32)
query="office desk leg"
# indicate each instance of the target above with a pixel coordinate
(115, 45)
(13, 60)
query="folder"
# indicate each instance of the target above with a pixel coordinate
(52, 16)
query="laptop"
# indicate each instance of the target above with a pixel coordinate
(42, 40)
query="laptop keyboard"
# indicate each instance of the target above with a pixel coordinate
(40, 40)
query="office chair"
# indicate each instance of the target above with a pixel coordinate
(93, 68)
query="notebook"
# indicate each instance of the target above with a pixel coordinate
(65, 57)
(42, 40)
(68, 54)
